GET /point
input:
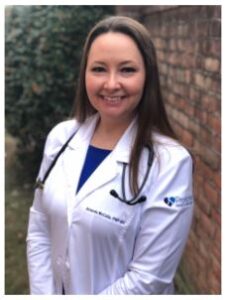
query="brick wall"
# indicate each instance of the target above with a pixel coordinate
(188, 43)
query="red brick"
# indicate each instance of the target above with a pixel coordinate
(193, 241)
(214, 121)
(212, 84)
(194, 94)
(216, 144)
(217, 240)
(201, 278)
(161, 56)
(172, 44)
(180, 89)
(204, 204)
(190, 110)
(204, 247)
(215, 47)
(187, 60)
(217, 179)
(210, 103)
(178, 129)
(216, 250)
(183, 119)
(199, 180)
(202, 29)
(214, 285)
(210, 157)
(207, 83)
(203, 169)
(202, 234)
(212, 64)
(216, 216)
(164, 31)
(203, 46)
(183, 30)
(205, 135)
(185, 45)
(207, 224)
(172, 58)
(215, 28)
(201, 262)
(183, 75)
(217, 11)
(172, 113)
(182, 104)
(199, 80)
(171, 98)
(172, 31)
(163, 68)
(210, 193)
(187, 138)
(160, 43)
(216, 264)
(201, 116)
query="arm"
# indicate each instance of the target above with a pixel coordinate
(38, 243)
(38, 236)
(163, 231)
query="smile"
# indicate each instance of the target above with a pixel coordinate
(113, 99)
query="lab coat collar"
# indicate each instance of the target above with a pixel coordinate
(122, 149)
(84, 132)
(124, 146)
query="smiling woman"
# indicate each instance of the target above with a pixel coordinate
(115, 76)
(84, 235)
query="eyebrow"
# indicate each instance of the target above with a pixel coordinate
(122, 63)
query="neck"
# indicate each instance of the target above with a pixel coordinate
(107, 133)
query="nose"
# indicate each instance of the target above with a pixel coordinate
(112, 82)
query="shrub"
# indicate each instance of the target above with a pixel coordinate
(43, 50)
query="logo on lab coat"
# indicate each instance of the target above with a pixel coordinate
(178, 201)
(170, 200)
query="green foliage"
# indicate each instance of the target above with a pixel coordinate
(43, 51)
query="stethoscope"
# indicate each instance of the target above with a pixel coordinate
(137, 198)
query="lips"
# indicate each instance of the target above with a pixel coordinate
(112, 99)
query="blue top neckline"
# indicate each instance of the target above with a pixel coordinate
(99, 149)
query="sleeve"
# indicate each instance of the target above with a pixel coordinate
(38, 234)
(165, 225)
(38, 239)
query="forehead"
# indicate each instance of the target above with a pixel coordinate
(113, 45)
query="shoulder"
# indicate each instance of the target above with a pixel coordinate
(59, 135)
(169, 151)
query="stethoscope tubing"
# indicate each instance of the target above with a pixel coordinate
(134, 200)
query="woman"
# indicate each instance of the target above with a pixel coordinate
(111, 215)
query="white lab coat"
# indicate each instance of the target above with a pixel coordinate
(91, 242)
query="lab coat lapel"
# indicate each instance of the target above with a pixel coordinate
(112, 165)
(104, 173)
(73, 158)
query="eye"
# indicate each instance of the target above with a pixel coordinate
(98, 69)
(128, 70)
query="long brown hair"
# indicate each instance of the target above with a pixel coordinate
(151, 113)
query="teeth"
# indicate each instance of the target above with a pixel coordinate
(112, 99)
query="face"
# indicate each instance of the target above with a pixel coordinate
(115, 76)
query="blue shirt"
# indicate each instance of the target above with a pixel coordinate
(94, 157)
